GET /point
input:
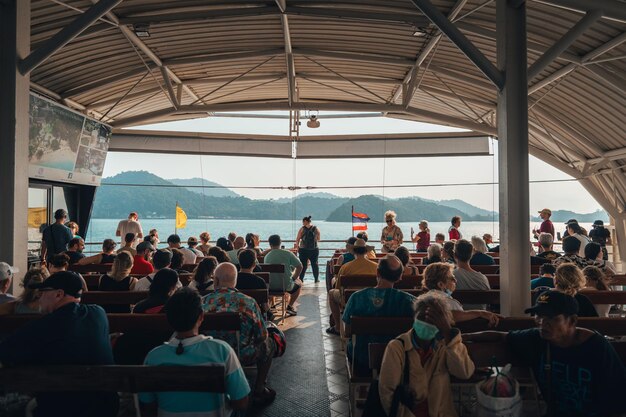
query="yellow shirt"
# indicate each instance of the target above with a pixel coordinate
(359, 266)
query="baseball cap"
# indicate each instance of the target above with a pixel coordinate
(6, 271)
(553, 303)
(68, 281)
(546, 211)
(571, 221)
(145, 245)
(191, 240)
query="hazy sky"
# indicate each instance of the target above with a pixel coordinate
(428, 175)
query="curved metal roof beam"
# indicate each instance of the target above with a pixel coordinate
(611, 9)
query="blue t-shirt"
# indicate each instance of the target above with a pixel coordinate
(375, 302)
(75, 334)
(482, 259)
(587, 380)
(56, 236)
(198, 350)
(541, 282)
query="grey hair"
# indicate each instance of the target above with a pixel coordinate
(434, 250)
(432, 299)
(546, 240)
(479, 245)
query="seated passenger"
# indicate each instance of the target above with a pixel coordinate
(189, 257)
(246, 279)
(129, 242)
(178, 260)
(466, 277)
(546, 277)
(433, 254)
(480, 256)
(440, 281)
(189, 347)
(571, 246)
(403, 254)
(587, 377)
(192, 245)
(28, 301)
(546, 240)
(569, 280)
(440, 239)
(359, 266)
(6, 277)
(105, 257)
(448, 252)
(225, 244)
(163, 286)
(435, 351)
(255, 347)
(203, 275)
(141, 261)
(204, 245)
(118, 279)
(219, 254)
(595, 280)
(59, 263)
(488, 239)
(594, 257)
(381, 301)
(75, 250)
(70, 333)
(348, 255)
(372, 253)
(233, 254)
(161, 259)
(289, 281)
(252, 242)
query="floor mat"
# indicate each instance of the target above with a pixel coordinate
(299, 376)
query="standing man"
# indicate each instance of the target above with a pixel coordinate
(70, 333)
(56, 237)
(131, 225)
(546, 225)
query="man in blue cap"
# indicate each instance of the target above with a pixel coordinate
(577, 370)
(69, 333)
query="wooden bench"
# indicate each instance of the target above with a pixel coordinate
(92, 280)
(272, 268)
(92, 268)
(113, 378)
(365, 281)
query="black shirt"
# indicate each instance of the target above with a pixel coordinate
(76, 334)
(599, 235)
(246, 281)
(109, 284)
(585, 306)
(586, 380)
(74, 256)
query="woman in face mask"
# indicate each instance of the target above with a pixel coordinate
(440, 282)
(431, 351)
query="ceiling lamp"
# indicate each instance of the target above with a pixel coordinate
(313, 123)
(142, 30)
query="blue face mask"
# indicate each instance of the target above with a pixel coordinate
(448, 291)
(424, 331)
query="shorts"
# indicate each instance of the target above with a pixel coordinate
(264, 353)
(295, 288)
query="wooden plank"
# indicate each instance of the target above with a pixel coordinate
(275, 268)
(115, 378)
(92, 268)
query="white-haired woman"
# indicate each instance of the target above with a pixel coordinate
(434, 351)
(391, 237)
(480, 256)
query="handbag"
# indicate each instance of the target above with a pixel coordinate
(373, 406)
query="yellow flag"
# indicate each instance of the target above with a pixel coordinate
(181, 218)
(36, 216)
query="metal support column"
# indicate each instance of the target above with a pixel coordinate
(512, 113)
(14, 45)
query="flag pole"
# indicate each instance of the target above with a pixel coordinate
(175, 217)
(352, 219)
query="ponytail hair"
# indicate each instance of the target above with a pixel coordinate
(307, 218)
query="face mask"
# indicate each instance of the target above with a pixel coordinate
(448, 291)
(424, 331)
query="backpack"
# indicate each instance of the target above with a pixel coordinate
(279, 338)
(308, 237)
(373, 406)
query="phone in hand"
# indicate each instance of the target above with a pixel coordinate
(412, 232)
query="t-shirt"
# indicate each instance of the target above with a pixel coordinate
(586, 380)
(128, 249)
(482, 259)
(359, 266)
(584, 240)
(188, 256)
(234, 256)
(76, 334)
(74, 256)
(549, 254)
(282, 257)
(599, 235)
(129, 226)
(454, 233)
(247, 281)
(141, 266)
(547, 227)
(375, 302)
(143, 284)
(541, 282)
(198, 350)
(109, 284)
(56, 236)
(424, 242)
(585, 306)
(471, 280)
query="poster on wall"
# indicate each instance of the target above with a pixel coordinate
(64, 145)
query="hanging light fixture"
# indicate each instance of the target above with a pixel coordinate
(313, 122)
(142, 30)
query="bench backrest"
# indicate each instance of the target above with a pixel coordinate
(92, 279)
(116, 378)
(92, 268)
(275, 268)
(365, 281)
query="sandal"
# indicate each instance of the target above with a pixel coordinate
(332, 330)
(264, 398)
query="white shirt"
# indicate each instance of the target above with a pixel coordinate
(129, 226)
(188, 256)
(583, 242)
(144, 283)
